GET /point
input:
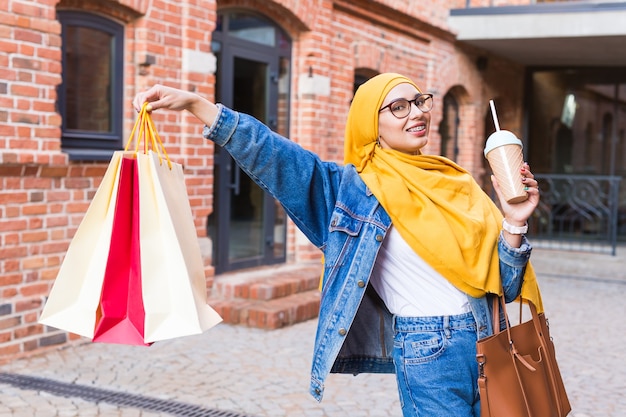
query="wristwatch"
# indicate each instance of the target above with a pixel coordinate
(514, 230)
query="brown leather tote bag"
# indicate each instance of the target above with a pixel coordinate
(518, 373)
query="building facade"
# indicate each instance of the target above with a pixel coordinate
(71, 67)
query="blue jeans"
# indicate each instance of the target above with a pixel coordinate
(435, 361)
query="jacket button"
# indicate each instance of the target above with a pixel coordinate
(379, 238)
(361, 283)
(342, 331)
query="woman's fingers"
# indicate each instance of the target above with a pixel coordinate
(154, 95)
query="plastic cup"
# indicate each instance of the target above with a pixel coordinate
(503, 150)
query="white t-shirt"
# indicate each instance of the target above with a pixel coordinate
(409, 286)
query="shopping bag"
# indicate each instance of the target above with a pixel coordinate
(75, 294)
(120, 315)
(518, 372)
(170, 276)
(174, 284)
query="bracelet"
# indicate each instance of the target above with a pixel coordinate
(514, 230)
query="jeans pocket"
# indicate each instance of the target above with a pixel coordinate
(422, 347)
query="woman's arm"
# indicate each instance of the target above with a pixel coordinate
(514, 249)
(513, 263)
(297, 178)
(306, 186)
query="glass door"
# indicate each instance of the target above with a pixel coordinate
(247, 227)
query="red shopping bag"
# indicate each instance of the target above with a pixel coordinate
(120, 315)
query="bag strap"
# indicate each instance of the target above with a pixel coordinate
(498, 302)
(145, 131)
(548, 353)
(495, 315)
(485, 409)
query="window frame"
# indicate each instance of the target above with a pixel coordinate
(90, 145)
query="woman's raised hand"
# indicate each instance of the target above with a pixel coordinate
(519, 213)
(162, 97)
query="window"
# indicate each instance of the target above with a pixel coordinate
(449, 127)
(90, 96)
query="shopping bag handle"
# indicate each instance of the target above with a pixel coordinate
(145, 131)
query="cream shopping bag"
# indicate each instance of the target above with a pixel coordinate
(75, 295)
(173, 279)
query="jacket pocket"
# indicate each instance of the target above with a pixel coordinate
(342, 221)
(343, 238)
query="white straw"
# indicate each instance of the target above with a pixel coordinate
(494, 115)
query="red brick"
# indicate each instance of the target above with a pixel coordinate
(11, 265)
(36, 196)
(9, 322)
(8, 292)
(27, 9)
(34, 289)
(34, 209)
(56, 221)
(6, 225)
(53, 171)
(25, 90)
(49, 274)
(13, 183)
(77, 207)
(57, 196)
(27, 331)
(31, 237)
(26, 35)
(33, 263)
(77, 183)
(9, 349)
(5, 337)
(11, 170)
(32, 317)
(30, 345)
(35, 223)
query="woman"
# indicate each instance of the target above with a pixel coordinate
(416, 227)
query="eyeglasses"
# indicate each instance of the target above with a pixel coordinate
(401, 107)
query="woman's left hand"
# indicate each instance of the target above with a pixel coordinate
(517, 214)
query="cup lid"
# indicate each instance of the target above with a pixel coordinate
(501, 138)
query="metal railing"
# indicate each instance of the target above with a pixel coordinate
(577, 212)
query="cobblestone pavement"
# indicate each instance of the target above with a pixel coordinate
(233, 371)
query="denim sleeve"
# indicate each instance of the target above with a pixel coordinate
(513, 266)
(304, 184)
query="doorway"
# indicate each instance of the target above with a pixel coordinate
(248, 226)
(576, 125)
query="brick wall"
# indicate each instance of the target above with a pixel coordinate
(43, 196)
(34, 215)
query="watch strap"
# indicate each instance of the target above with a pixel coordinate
(514, 230)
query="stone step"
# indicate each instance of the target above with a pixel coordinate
(268, 297)
(271, 314)
(267, 283)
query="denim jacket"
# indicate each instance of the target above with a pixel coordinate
(336, 211)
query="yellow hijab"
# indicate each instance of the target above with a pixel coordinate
(436, 205)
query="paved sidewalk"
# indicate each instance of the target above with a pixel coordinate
(233, 371)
